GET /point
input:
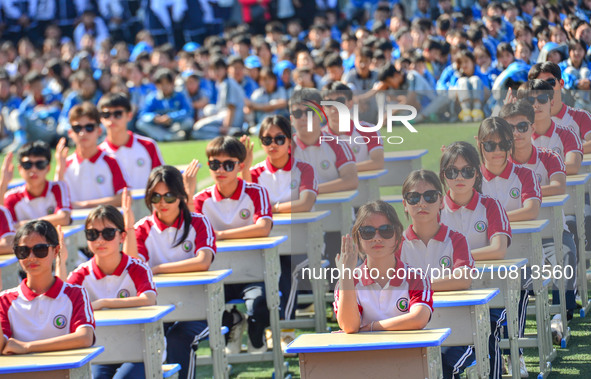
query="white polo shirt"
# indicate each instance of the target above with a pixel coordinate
(327, 157)
(131, 278)
(579, 120)
(544, 163)
(447, 249)
(559, 139)
(6, 223)
(479, 220)
(408, 288)
(247, 204)
(287, 183)
(137, 158)
(155, 240)
(61, 310)
(513, 187)
(94, 178)
(24, 206)
(361, 143)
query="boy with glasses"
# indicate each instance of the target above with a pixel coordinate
(237, 209)
(138, 155)
(93, 177)
(38, 198)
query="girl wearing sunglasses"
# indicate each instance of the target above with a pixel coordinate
(430, 245)
(381, 300)
(173, 239)
(481, 219)
(112, 278)
(43, 313)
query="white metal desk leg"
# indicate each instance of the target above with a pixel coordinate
(215, 304)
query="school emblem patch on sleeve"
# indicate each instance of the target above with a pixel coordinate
(60, 321)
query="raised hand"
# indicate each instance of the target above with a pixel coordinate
(349, 255)
(190, 177)
(62, 257)
(7, 174)
(128, 216)
(249, 145)
(61, 153)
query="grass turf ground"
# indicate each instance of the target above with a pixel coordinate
(572, 362)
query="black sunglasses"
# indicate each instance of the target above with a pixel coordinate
(88, 128)
(413, 198)
(541, 98)
(40, 251)
(298, 113)
(40, 165)
(551, 81)
(169, 198)
(279, 140)
(521, 127)
(467, 172)
(117, 114)
(107, 233)
(490, 146)
(228, 165)
(368, 232)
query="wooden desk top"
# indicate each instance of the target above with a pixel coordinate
(391, 156)
(137, 194)
(54, 360)
(463, 298)
(586, 160)
(392, 198)
(333, 342)
(298, 218)
(533, 226)
(81, 214)
(15, 183)
(135, 315)
(7, 259)
(371, 174)
(179, 279)
(336, 197)
(554, 201)
(573, 180)
(242, 244)
(496, 265)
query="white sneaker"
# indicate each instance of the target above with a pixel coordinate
(556, 327)
(522, 368)
(234, 345)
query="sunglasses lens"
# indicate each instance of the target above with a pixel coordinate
(412, 198)
(367, 232)
(543, 99)
(109, 234)
(214, 165)
(105, 114)
(267, 141)
(297, 113)
(27, 165)
(169, 198)
(522, 127)
(280, 140)
(489, 147)
(431, 196)
(155, 199)
(89, 127)
(118, 114)
(91, 234)
(386, 231)
(77, 129)
(468, 172)
(22, 252)
(41, 165)
(229, 165)
(505, 146)
(451, 173)
(41, 250)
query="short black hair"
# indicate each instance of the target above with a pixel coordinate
(333, 60)
(163, 74)
(548, 67)
(518, 108)
(218, 61)
(505, 46)
(337, 87)
(305, 94)
(114, 100)
(386, 72)
(226, 145)
(32, 77)
(235, 59)
(36, 148)
(42, 227)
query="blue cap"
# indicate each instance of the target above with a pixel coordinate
(252, 62)
(138, 49)
(282, 66)
(191, 47)
(191, 73)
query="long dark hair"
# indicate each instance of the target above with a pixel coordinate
(383, 208)
(173, 179)
(468, 152)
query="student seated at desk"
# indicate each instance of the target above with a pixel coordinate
(138, 155)
(367, 146)
(334, 163)
(481, 219)
(237, 209)
(429, 245)
(387, 302)
(171, 240)
(551, 173)
(43, 313)
(93, 176)
(111, 278)
(38, 198)
(514, 186)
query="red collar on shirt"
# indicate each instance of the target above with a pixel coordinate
(118, 271)
(272, 169)
(367, 280)
(439, 236)
(505, 174)
(303, 146)
(562, 112)
(128, 144)
(548, 132)
(235, 196)
(31, 197)
(162, 226)
(52, 292)
(92, 159)
(471, 204)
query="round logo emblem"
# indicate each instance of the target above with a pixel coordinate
(294, 184)
(100, 179)
(123, 294)
(60, 321)
(402, 304)
(514, 193)
(140, 162)
(480, 226)
(445, 261)
(187, 246)
(356, 149)
(50, 210)
(244, 214)
(325, 164)
(557, 150)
